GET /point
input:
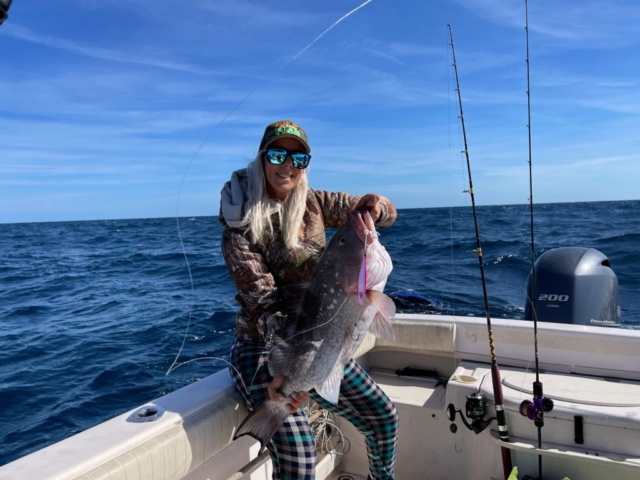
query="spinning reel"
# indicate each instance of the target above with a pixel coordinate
(476, 409)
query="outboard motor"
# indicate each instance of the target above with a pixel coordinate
(575, 285)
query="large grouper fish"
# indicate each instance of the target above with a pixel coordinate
(336, 311)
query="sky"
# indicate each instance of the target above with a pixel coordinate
(140, 108)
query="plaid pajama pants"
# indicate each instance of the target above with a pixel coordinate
(292, 448)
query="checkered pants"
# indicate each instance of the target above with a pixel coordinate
(292, 448)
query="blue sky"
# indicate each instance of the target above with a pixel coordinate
(105, 103)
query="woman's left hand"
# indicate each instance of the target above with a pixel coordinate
(372, 203)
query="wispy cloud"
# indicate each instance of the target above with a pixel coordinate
(256, 14)
(383, 55)
(584, 24)
(414, 49)
(26, 34)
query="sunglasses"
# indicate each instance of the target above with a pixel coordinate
(277, 156)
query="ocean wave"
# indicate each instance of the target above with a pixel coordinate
(27, 311)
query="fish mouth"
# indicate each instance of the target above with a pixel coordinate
(365, 227)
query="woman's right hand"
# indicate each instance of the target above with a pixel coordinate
(294, 401)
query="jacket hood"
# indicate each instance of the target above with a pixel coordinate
(233, 198)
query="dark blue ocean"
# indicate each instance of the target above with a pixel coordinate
(92, 314)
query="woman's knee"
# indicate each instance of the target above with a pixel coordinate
(293, 447)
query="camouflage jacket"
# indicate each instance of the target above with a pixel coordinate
(268, 276)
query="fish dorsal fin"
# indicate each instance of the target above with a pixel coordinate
(330, 389)
(381, 326)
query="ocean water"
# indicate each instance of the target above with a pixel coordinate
(93, 314)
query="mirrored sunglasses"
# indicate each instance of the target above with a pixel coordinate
(277, 156)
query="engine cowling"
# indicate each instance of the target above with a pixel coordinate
(575, 285)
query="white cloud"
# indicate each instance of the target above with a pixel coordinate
(255, 14)
(26, 34)
(383, 55)
(584, 24)
(414, 49)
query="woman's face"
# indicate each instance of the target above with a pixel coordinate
(281, 179)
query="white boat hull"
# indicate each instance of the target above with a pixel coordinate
(590, 372)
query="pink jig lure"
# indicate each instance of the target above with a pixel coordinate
(362, 276)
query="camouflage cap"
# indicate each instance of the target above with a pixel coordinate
(284, 129)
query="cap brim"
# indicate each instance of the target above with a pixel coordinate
(294, 137)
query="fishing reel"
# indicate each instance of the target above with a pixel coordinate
(535, 410)
(476, 409)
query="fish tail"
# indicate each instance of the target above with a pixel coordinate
(263, 422)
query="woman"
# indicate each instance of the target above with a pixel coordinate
(273, 240)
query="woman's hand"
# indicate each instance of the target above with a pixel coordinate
(372, 203)
(294, 401)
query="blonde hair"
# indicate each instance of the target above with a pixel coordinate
(260, 206)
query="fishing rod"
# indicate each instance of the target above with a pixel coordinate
(503, 431)
(534, 410)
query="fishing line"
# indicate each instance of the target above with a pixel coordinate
(323, 431)
(218, 358)
(524, 240)
(211, 132)
(462, 169)
(184, 251)
(529, 247)
(324, 439)
(455, 358)
(453, 295)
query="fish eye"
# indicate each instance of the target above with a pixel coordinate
(343, 239)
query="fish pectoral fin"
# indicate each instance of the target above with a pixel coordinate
(279, 359)
(330, 389)
(381, 325)
(280, 353)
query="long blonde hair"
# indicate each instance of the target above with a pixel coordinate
(260, 207)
